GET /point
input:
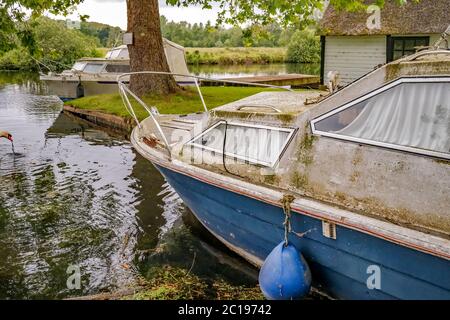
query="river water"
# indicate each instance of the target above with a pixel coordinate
(75, 196)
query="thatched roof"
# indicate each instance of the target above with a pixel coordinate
(425, 17)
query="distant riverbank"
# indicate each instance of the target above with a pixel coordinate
(15, 60)
(233, 56)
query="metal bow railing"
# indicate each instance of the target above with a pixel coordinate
(125, 91)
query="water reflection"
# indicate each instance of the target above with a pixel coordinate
(77, 195)
(24, 81)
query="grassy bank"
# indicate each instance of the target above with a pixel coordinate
(186, 101)
(227, 56)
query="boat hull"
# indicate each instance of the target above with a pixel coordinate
(343, 268)
(67, 90)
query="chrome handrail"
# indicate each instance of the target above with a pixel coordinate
(259, 106)
(425, 53)
(124, 91)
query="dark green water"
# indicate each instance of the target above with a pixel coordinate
(77, 195)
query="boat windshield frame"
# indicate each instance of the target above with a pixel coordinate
(289, 130)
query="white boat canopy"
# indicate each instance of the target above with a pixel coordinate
(175, 55)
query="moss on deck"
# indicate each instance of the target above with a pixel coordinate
(183, 102)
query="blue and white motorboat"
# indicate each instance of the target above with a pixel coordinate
(363, 173)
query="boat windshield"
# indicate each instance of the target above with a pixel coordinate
(93, 67)
(112, 54)
(256, 144)
(121, 53)
(79, 66)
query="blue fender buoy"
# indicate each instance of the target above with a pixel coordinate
(285, 275)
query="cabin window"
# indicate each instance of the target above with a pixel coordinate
(410, 114)
(93, 67)
(256, 144)
(118, 68)
(400, 47)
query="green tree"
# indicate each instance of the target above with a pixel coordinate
(108, 36)
(282, 12)
(57, 47)
(56, 44)
(15, 14)
(304, 47)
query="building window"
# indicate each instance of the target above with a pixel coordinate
(399, 47)
(410, 114)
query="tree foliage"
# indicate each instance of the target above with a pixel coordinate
(107, 35)
(304, 47)
(284, 12)
(57, 47)
(58, 43)
(16, 14)
(207, 35)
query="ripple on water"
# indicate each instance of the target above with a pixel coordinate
(73, 195)
(63, 201)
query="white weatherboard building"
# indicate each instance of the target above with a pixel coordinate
(354, 43)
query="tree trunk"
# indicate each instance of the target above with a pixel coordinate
(147, 50)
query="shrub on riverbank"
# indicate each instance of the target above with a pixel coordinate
(304, 47)
(16, 59)
(227, 56)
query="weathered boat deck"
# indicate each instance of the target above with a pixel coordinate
(278, 102)
(294, 80)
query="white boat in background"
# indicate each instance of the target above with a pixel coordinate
(92, 76)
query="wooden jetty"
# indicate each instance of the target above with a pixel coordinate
(293, 80)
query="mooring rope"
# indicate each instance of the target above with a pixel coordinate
(286, 202)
